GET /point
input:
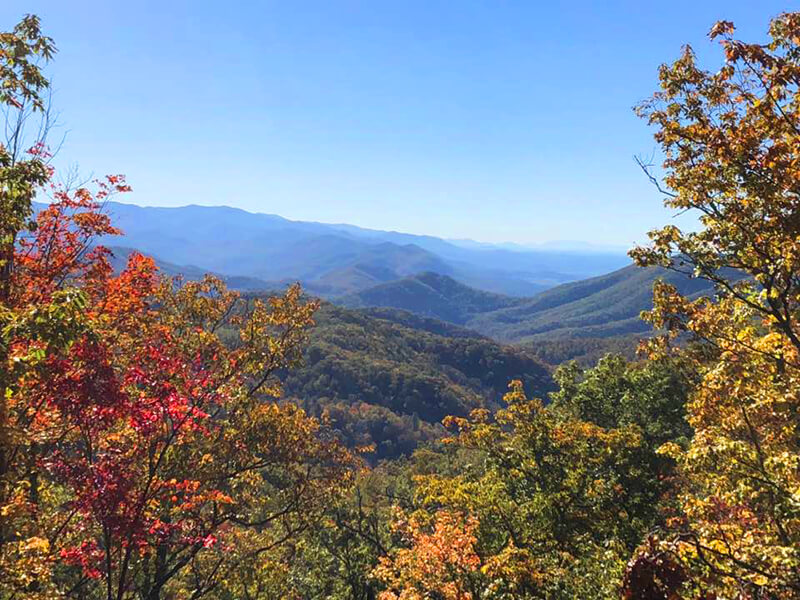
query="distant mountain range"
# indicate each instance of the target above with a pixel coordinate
(120, 255)
(565, 303)
(416, 327)
(337, 260)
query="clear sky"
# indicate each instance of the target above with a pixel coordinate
(494, 120)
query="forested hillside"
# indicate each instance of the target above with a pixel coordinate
(604, 306)
(584, 319)
(431, 295)
(391, 384)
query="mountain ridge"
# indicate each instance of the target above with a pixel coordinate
(335, 260)
(600, 307)
(430, 294)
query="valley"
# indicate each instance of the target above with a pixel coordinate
(412, 328)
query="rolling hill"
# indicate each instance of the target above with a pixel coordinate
(598, 307)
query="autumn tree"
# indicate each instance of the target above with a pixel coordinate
(439, 561)
(731, 142)
(22, 51)
(551, 505)
(142, 457)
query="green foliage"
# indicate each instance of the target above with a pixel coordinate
(650, 395)
(20, 51)
(586, 351)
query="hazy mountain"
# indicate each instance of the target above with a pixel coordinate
(334, 260)
(538, 266)
(120, 254)
(558, 245)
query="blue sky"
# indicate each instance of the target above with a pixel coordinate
(496, 120)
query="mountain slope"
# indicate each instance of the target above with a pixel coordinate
(603, 306)
(600, 307)
(383, 381)
(431, 295)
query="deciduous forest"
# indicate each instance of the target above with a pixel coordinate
(165, 437)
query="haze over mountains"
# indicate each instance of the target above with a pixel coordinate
(336, 260)
(507, 292)
(581, 300)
